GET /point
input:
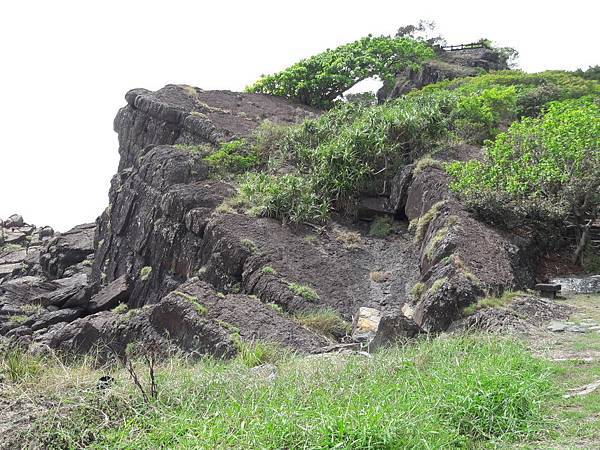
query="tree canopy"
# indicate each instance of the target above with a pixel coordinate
(317, 81)
(545, 168)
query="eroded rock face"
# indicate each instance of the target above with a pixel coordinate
(461, 258)
(161, 199)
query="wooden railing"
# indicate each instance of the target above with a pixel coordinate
(453, 48)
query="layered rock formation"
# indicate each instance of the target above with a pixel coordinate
(168, 263)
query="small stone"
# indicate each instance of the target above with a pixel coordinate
(365, 324)
(557, 327)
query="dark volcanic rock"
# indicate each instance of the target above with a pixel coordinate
(68, 249)
(110, 296)
(461, 257)
(254, 319)
(172, 326)
(161, 199)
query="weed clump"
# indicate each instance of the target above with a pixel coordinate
(326, 321)
(305, 292)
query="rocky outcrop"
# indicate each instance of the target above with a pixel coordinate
(461, 258)
(161, 200)
(21, 245)
(446, 66)
(48, 282)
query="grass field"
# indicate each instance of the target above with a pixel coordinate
(451, 392)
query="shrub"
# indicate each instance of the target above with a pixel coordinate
(381, 227)
(234, 157)
(305, 292)
(326, 321)
(320, 79)
(543, 169)
(324, 164)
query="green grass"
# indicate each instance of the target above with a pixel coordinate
(459, 392)
(306, 292)
(18, 365)
(491, 302)
(254, 354)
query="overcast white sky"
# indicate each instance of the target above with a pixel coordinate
(65, 66)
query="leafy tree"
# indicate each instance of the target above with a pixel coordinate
(592, 73)
(423, 31)
(319, 80)
(544, 169)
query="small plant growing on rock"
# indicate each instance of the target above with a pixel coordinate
(492, 302)
(417, 290)
(250, 245)
(276, 307)
(420, 225)
(122, 308)
(425, 162)
(200, 308)
(350, 239)
(305, 292)
(381, 227)
(145, 273)
(268, 270)
(33, 308)
(437, 284)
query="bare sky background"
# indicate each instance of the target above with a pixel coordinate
(66, 65)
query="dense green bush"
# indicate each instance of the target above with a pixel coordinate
(320, 79)
(544, 169)
(323, 164)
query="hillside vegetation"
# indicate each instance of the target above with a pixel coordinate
(303, 173)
